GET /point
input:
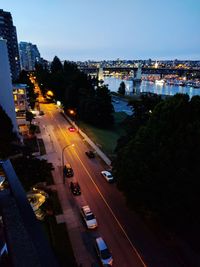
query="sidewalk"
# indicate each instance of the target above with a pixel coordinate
(90, 142)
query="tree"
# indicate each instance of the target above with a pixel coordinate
(97, 109)
(77, 91)
(7, 136)
(36, 171)
(29, 116)
(23, 77)
(158, 167)
(122, 88)
(142, 111)
(56, 65)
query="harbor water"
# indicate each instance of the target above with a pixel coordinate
(147, 86)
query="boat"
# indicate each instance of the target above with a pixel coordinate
(196, 85)
(170, 82)
(160, 82)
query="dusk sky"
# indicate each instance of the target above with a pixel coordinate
(109, 29)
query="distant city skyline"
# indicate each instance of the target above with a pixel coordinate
(107, 30)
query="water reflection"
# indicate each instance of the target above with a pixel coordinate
(146, 86)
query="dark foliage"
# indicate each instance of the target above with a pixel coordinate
(122, 88)
(158, 166)
(77, 91)
(56, 65)
(142, 110)
(29, 116)
(24, 79)
(31, 171)
(7, 136)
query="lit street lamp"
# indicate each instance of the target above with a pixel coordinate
(63, 160)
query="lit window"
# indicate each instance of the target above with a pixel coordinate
(21, 91)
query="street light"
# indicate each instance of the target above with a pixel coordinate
(72, 112)
(74, 115)
(63, 160)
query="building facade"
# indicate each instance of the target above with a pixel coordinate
(20, 100)
(29, 55)
(8, 32)
(6, 90)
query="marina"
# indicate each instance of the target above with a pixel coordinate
(169, 87)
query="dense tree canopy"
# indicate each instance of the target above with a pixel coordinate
(142, 110)
(158, 168)
(122, 88)
(56, 65)
(98, 109)
(36, 171)
(24, 79)
(77, 91)
(6, 134)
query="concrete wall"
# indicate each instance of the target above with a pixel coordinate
(6, 92)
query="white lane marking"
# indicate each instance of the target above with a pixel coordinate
(111, 211)
(119, 224)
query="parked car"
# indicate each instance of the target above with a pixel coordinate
(41, 112)
(108, 176)
(75, 188)
(68, 171)
(88, 217)
(90, 154)
(103, 252)
(71, 129)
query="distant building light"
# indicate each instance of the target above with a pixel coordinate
(49, 93)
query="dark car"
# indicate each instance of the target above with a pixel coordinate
(41, 112)
(90, 154)
(75, 188)
(68, 171)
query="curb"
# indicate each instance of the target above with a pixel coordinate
(89, 141)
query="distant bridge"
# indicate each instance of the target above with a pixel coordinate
(145, 70)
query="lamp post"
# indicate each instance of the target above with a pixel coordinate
(63, 160)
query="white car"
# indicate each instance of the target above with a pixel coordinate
(103, 252)
(88, 217)
(108, 176)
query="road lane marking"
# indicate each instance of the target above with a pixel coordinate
(111, 211)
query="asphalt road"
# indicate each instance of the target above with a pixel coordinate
(131, 243)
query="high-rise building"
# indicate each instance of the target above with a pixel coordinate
(29, 55)
(6, 90)
(8, 32)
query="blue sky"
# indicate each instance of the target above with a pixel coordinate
(109, 29)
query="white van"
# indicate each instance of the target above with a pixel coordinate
(103, 252)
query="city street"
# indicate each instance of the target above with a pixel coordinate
(102, 97)
(128, 239)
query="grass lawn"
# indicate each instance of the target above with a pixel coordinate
(106, 139)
